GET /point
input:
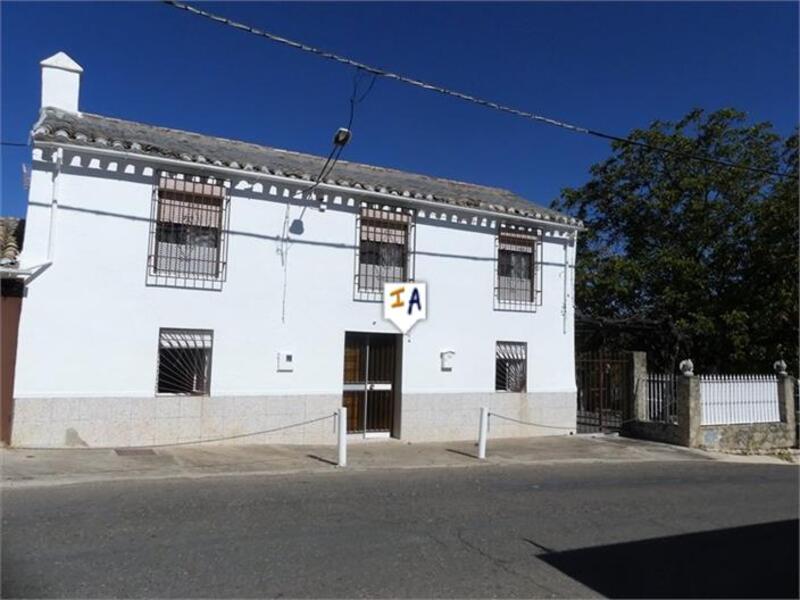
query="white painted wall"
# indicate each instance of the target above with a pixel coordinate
(89, 325)
(61, 82)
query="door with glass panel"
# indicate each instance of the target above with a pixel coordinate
(370, 382)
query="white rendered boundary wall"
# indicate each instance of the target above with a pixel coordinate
(737, 399)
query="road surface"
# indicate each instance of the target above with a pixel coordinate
(668, 529)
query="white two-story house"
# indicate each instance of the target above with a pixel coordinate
(184, 287)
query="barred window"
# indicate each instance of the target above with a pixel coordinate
(184, 361)
(188, 233)
(511, 367)
(518, 263)
(383, 250)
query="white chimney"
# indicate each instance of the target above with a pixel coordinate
(61, 82)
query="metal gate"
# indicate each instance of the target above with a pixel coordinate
(370, 382)
(605, 390)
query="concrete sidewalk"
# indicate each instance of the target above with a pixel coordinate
(24, 468)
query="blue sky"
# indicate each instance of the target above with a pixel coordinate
(607, 66)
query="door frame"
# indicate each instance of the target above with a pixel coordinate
(366, 386)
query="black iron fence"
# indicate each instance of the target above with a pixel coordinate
(605, 390)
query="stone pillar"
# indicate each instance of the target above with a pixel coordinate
(689, 411)
(639, 385)
(786, 407)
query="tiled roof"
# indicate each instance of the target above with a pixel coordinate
(11, 235)
(97, 131)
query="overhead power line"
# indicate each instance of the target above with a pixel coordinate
(16, 144)
(378, 72)
(327, 168)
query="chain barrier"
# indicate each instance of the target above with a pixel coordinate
(491, 414)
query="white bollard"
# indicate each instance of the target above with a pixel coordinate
(483, 432)
(342, 436)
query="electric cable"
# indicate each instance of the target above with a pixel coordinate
(327, 168)
(378, 72)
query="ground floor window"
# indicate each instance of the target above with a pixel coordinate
(511, 360)
(184, 361)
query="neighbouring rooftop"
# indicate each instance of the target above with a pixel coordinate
(84, 129)
(11, 235)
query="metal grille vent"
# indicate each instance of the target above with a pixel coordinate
(511, 365)
(184, 361)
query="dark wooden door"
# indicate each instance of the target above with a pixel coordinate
(370, 381)
(10, 307)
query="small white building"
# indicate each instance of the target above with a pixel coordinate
(184, 287)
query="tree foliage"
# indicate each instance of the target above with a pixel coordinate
(713, 250)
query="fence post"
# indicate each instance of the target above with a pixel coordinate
(786, 407)
(342, 436)
(639, 387)
(482, 432)
(689, 410)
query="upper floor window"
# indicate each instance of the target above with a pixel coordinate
(518, 278)
(188, 231)
(385, 248)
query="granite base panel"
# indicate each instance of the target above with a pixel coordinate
(125, 422)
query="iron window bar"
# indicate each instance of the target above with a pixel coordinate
(384, 251)
(511, 367)
(184, 361)
(518, 270)
(189, 222)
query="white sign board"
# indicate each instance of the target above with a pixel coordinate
(404, 304)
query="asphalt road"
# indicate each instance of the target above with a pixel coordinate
(673, 529)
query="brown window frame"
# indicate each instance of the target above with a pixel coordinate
(188, 233)
(378, 231)
(514, 248)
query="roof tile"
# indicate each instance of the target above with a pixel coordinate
(12, 232)
(90, 130)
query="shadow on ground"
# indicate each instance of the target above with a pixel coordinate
(756, 561)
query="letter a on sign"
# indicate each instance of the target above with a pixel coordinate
(404, 304)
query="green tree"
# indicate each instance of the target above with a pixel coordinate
(713, 250)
